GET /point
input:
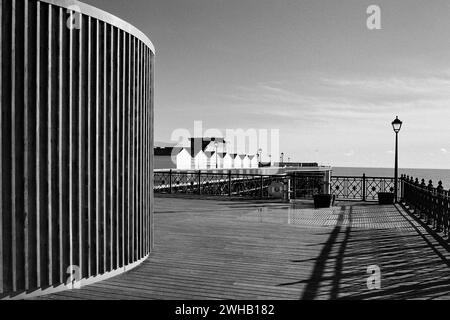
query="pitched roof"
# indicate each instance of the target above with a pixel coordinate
(202, 143)
(208, 139)
(168, 151)
(196, 152)
(209, 154)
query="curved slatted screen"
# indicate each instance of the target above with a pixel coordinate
(76, 144)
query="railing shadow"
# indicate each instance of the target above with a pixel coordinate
(411, 266)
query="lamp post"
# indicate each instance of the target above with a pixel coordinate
(282, 158)
(270, 160)
(216, 144)
(259, 153)
(396, 125)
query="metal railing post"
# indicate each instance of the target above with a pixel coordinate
(229, 183)
(402, 187)
(288, 189)
(199, 181)
(439, 206)
(261, 187)
(294, 187)
(170, 182)
(364, 187)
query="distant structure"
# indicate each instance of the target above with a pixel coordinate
(201, 155)
(295, 164)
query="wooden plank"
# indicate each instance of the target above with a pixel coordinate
(91, 173)
(13, 148)
(29, 145)
(138, 149)
(97, 149)
(129, 150)
(145, 177)
(14, 144)
(105, 239)
(51, 232)
(148, 177)
(141, 175)
(152, 110)
(133, 155)
(118, 133)
(144, 155)
(38, 144)
(66, 152)
(6, 145)
(124, 121)
(26, 146)
(81, 170)
(60, 146)
(1, 151)
(111, 151)
(72, 126)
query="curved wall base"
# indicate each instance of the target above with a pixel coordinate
(82, 283)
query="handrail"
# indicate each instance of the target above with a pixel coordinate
(228, 183)
(432, 204)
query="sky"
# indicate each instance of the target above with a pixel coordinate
(309, 68)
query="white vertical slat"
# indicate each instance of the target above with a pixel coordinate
(26, 178)
(89, 148)
(49, 146)
(60, 146)
(118, 155)
(104, 146)
(38, 144)
(71, 146)
(97, 147)
(13, 147)
(133, 136)
(1, 150)
(81, 145)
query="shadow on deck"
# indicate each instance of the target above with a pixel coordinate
(212, 249)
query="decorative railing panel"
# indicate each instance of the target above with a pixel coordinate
(360, 187)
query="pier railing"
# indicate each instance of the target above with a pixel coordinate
(252, 185)
(430, 203)
(232, 184)
(362, 188)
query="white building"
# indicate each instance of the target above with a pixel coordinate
(211, 159)
(253, 161)
(228, 161)
(200, 161)
(239, 161)
(246, 162)
(220, 159)
(183, 159)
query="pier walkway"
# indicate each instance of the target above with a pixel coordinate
(215, 249)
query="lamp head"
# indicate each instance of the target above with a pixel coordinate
(397, 125)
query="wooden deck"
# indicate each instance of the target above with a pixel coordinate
(211, 249)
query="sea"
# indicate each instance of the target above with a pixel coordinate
(435, 175)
